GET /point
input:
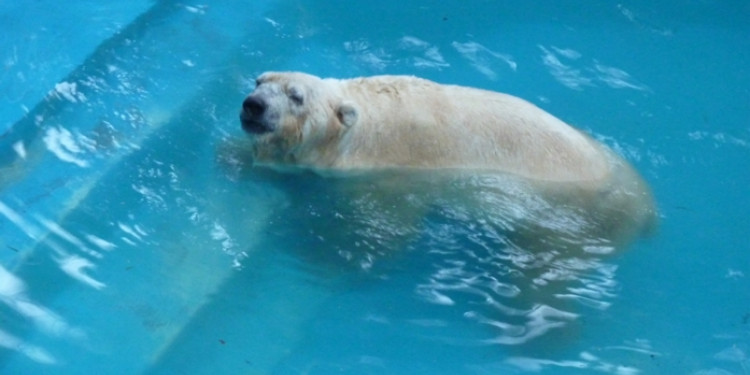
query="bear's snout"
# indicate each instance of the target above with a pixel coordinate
(254, 106)
(253, 116)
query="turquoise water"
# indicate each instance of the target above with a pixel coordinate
(135, 239)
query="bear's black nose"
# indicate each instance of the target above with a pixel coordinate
(254, 106)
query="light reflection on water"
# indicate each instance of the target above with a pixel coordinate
(13, 295)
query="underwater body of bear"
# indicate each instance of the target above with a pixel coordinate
(419, 127)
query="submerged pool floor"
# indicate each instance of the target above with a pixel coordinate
(135, 238)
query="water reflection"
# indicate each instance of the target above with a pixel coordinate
(513, 277)
(75, 266)
(35, 353)
(13, 294)
(484, 268)
(498, 252)
(565, 66)
(586, 360)
(484, 59)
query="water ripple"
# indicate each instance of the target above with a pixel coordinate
(522, 266)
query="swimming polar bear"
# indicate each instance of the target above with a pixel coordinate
(413, 125)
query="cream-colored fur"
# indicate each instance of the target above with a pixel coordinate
(397, 122)
(401, 121)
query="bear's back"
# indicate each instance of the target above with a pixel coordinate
(413, 122)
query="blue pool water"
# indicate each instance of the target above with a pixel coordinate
(135, 239)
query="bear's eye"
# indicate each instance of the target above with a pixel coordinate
(295, 94)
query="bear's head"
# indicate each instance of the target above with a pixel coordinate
(290, 115)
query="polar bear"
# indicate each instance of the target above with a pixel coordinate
(400, 121)
(297, 120)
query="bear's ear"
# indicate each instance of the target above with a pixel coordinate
(347, 114)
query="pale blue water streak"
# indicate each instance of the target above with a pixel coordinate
(133, 241)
